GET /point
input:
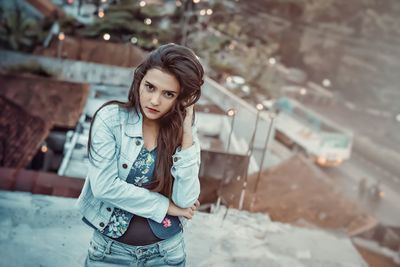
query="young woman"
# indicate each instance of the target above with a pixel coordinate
(144, 158)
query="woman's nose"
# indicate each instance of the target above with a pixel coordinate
(155, 99)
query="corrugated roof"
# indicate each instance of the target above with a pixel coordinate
(43, 183)
(54, 101)
(21, 134)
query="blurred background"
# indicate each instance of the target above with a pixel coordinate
(299, 115)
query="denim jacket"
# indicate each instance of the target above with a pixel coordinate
(116, 141)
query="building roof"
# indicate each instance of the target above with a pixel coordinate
(295, 191)
(98, 51)
(50, 232)
(21, 134)
(58, 102)
(43, 183)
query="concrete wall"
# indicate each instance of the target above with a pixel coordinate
(70, 70)
(221, 165)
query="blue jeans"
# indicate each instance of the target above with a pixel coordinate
(106, 252)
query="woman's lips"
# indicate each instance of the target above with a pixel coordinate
(152, 110)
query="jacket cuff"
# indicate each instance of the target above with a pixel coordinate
(185, 156)
(162, 211)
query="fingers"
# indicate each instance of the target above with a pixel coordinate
(196, 205)
(192, 210)
(189, 112)
(189, 213)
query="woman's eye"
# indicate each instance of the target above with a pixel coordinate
(149, 87)
(169, 94)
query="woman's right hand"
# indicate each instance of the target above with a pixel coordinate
(187, 212)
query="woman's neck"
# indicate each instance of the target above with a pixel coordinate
(150, 133)
(151, 124)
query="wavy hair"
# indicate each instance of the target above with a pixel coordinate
(183, 64)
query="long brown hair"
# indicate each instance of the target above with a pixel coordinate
(183, 64)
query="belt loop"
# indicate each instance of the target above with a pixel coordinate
(159, 246)
(108, 247)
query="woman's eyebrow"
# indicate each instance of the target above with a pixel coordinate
(166, 90)
(146, 81)
(171, 91)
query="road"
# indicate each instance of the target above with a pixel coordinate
(349, 176)
(374, 157)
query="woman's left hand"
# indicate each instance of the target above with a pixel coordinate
(187, 139)
(187, 122)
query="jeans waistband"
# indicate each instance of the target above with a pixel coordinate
(138, 251)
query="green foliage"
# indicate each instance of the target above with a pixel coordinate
(154, 11)
(70, 25)
(122, 21)
(214, 43)
(220, 66)
(131, 7)
(18, 31)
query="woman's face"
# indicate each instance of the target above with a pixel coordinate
(158, 93)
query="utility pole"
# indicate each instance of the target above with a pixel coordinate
(186, 14)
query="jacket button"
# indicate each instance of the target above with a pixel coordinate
(108, 209)
(124, 165)
(138, 143)
(101, 224)
(176, 159)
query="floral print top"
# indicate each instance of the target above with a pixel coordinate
(140, 174)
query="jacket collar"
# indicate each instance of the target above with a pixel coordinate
(134, 124)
